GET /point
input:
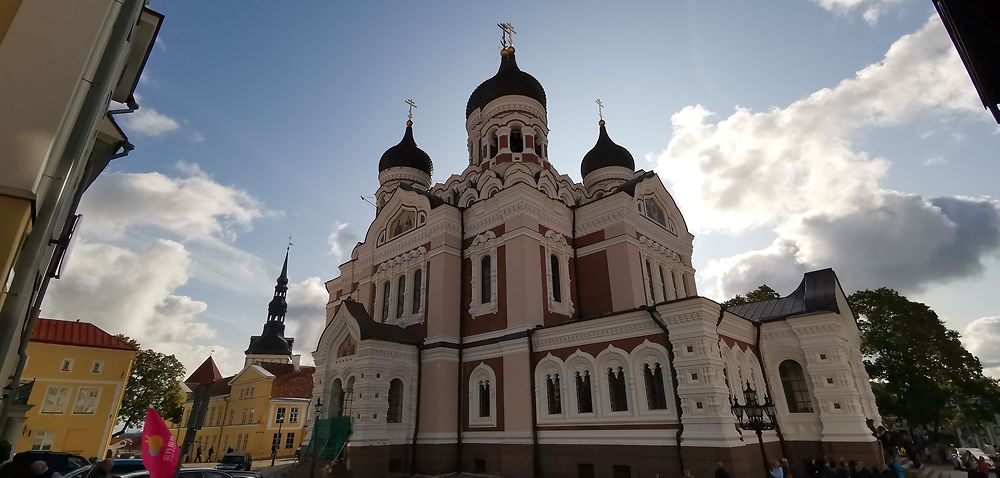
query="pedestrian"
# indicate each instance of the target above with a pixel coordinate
(843, 471)
(776, 471)
(211, 452)
(897, 466)
(983, 468)
(197, 455)
(720, 472)
(229, 450)
(786, 469)
(859, 470)
(101, 469)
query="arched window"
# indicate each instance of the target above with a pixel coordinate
(418, 292)
(538, 144)
(385, 301)
(485, 278)
(584, 401)
(663, 283)
(484, 398)
(494, 144)
(793, 381)
(556, 284)
(649, 276)
(400, 297)
(656, 396)
(348, 400)
(337, 394)
(553, 394)
(516, 140)
(684, 283)
(395, 412)
(616, 389)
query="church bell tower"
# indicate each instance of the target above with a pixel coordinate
(271, 346)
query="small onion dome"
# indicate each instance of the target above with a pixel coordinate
(606, 153)
(509, 80)
(406, 154)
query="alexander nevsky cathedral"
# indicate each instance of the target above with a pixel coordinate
(510, 321)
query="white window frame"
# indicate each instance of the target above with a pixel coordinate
(615, 357)
(96, 398)
(403, 265)
(547, 367)
(555, 245)
(280, 413)
(485, 244)
(65, 402)
(293, 415)
(580, 362)
(98, 365)
(649, 353)
(62, 365)
(479, 374)
(42, 440)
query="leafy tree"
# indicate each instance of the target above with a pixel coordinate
(154, 382)
(921, 371)
(761, 293)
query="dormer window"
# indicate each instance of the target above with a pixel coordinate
(655, 212)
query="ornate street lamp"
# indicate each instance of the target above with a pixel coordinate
(315, 457)
(755, 416)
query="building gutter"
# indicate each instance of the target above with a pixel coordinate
(28, 284)
(535, 455)
(416, 417)
(461, 333)
(653, 314)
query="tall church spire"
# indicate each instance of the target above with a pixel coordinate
(272, 340)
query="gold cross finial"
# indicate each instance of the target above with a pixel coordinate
(600, 109)
(506, 34)
(409, 114)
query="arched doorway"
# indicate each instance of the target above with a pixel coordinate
(337, 398)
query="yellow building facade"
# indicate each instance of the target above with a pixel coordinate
(77, 375)
(264, 405)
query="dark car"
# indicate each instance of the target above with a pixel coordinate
(120, 467)
(58, 462)
(239, 460)
(186, 473)
(245, 474)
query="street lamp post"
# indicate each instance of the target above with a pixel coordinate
(312, 444)
(277, 446)
(755, 416)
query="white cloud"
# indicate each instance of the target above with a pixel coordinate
(148, 122)
(341, 241)
(797, 169)
(306, 315)
(935, 160)
(982, 338)
(134, 293)
(193, 206)
(870, 10)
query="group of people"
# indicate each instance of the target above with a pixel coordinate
(976, 467)
(827, 468)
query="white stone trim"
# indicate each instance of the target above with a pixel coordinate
(555, 245)
(482, 373)
(485, 244)
(655, 437)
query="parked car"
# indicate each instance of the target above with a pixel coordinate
(120, 467)
(245, 474)
(959, 456)
(58, 462)
(235, 461)
(186, 473)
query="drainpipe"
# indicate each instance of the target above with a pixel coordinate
(94, 104)
(535, 456)
(416, 418)
(653, 314)
(576, 267)
(461, 333)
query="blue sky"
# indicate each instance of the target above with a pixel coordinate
(261, 120)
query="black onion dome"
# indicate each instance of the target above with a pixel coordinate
(606, 153)
(406, 154)
(509, 80)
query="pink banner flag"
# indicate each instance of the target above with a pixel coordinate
(159, 448)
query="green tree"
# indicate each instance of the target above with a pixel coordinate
(759, 294)
(154, 382)
(921, 371)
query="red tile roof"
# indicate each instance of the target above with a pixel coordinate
(207, 372)
(290, 383)
(83, 334)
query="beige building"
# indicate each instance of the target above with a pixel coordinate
(62, 62)
(511, 321)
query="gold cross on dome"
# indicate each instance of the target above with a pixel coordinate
(507, 34)
(600, 108)
(409, 114)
